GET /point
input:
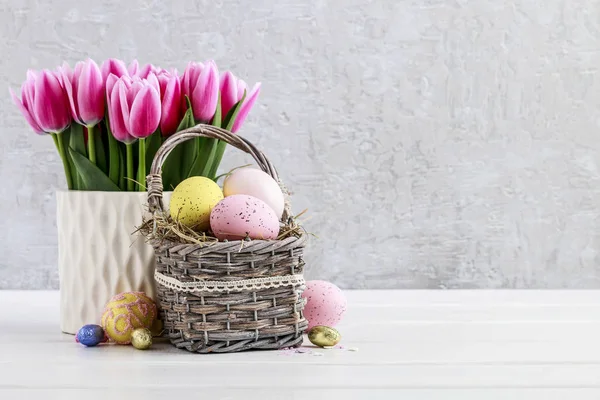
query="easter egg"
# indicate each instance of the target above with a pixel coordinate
(126, 312)
(192, 200)
(141, 338)
(90, 335)
(256, 183)
(239, 216)
(326, 304)
(324, 336)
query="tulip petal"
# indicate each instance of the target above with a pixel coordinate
(145, 112)
(90, 94)
(113, 66)
(123, 93)
(134, 66)
(32, 75)
(145, 71)
(28, 117)
(241, 88)
(65, 70)
(153, 80)
(51, 103)
(206, 93)
(228, 92)
(190, 77)
(246, 107)
(171, 107)
(133, 91)
(66, 77)
(115, 114)
(111, 80)
(163, 80)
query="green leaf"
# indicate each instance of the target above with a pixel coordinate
(122, 168)
(221, 146)
(207, 149)
(217, 119)
(172, 168)
(114, 154)
(232, 114)
(76, 141)
(100, 152)
(92, 177)
(152, 145)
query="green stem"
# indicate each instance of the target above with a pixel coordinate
(141, 176)
(113, 158)
(208, 154)
(91, 144)
(63, 155)
(221, 146)
(129, 147)
(55, 139)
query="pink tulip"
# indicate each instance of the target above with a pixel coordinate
(44, 102)
(133, 68)
(201, 84)
(113, 66)
(170, 93)
(134, 107)
(164, 76)
(143, 71)
(85, 89)
(246, 106)
(232, 91)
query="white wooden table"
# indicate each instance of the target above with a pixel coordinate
(480, 345)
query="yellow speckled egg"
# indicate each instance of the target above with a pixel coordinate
(192, 201)
(127, 312)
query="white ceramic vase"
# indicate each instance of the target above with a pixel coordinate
(98, 253)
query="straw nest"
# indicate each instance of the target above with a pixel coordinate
(160, 227)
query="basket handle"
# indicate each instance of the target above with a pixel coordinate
(154, 179)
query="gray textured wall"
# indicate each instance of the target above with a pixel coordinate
(436, 143)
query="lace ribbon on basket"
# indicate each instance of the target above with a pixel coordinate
(229, 286)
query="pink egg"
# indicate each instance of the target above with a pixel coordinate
(326, 304)
(239, 216)
(257, 183)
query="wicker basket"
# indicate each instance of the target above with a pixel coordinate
(228, 296)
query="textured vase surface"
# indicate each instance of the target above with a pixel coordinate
(99, 255)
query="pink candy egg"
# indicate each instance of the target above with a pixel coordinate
(239, 216)
(326, 304)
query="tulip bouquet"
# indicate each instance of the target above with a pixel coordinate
(108, 122)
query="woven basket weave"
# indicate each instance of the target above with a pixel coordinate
(228, 296)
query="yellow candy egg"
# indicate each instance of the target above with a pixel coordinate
(324, 336)
(141, 339)
(127, 312)
(192, 201)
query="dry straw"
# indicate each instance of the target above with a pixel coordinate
(225, 296)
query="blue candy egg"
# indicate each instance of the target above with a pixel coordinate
(90, 335)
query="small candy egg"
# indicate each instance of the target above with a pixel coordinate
(126, 312)
(141, 338)
(90, 335)
(256, 183)
(323, 336)
(192, 200)
(326, 303)
(239, 216)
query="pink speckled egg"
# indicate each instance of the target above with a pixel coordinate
(239, 216)
(326, 304)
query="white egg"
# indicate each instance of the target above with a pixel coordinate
(256, 183)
